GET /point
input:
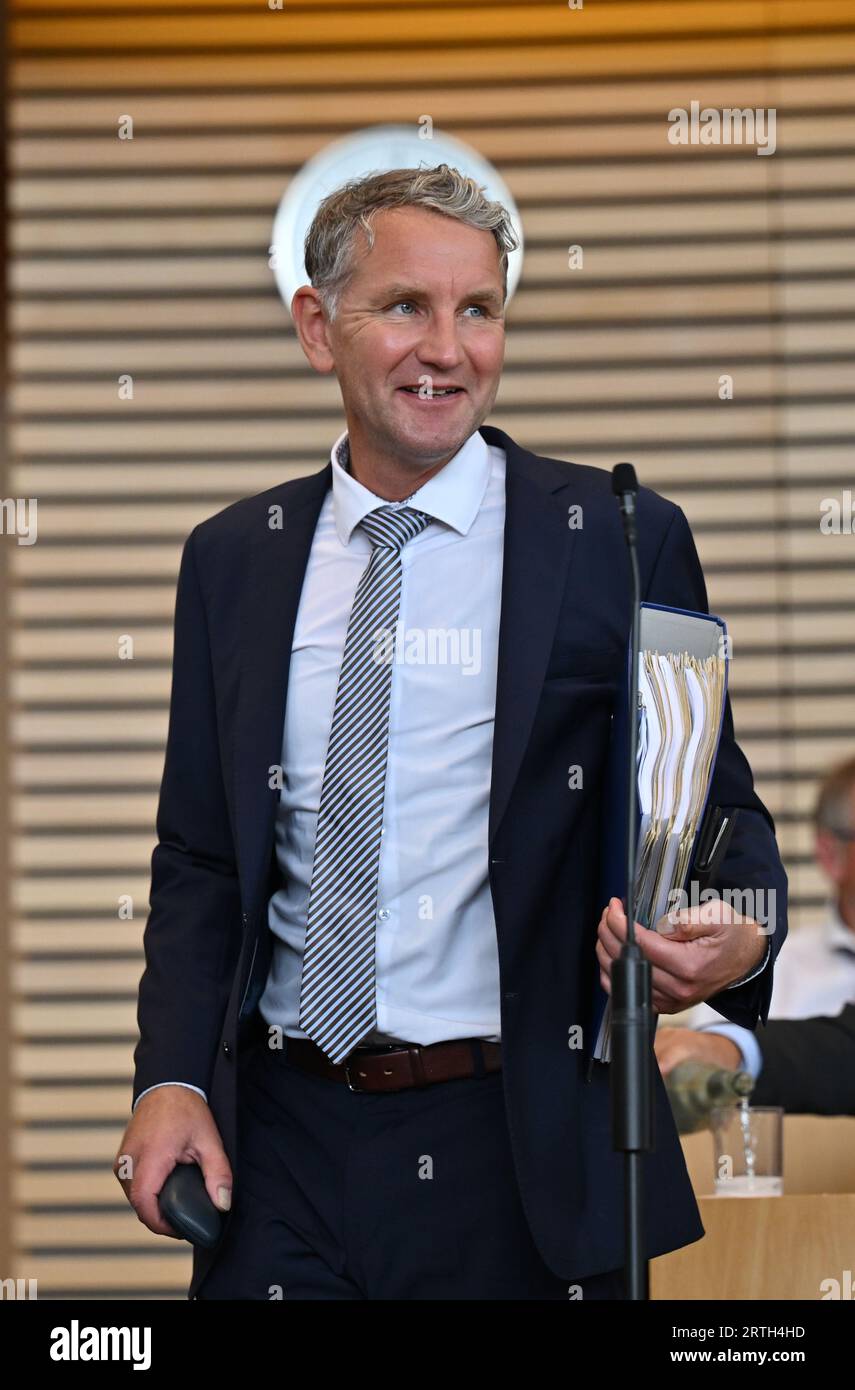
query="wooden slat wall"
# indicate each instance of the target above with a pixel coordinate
(150, 257)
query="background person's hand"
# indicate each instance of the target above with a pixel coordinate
(695, 953)
(675, 1045)
(171, 1125)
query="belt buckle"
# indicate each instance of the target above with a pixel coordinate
(417, 1071)
(413, 1051)
(356, 1089)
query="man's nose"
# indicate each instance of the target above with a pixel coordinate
(440, 342)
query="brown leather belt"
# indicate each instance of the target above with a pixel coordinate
(397, 1067)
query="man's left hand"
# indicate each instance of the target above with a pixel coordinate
(695, 952)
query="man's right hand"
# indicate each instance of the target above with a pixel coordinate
(170, 1125)
(675, 1045)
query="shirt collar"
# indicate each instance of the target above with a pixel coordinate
(453, 495)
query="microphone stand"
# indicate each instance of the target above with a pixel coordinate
(632, 1020)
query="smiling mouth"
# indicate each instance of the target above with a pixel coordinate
(437, 394)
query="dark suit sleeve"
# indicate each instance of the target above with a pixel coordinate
(195, 916)
(752, 865)
(808, 1064)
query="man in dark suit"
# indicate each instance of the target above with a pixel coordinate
(391, 875)
(808, 1064)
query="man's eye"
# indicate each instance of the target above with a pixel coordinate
(408, 304)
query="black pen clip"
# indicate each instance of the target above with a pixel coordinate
(718, 826)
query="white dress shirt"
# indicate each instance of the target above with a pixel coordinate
(814, 975)
(436, 952)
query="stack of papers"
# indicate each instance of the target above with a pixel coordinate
(680, 702)
(680, 699)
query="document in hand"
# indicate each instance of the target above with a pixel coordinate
(682, 685)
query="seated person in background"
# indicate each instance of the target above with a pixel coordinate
(814, 976)
(808, 1064)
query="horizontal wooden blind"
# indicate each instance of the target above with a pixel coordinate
(148, 257)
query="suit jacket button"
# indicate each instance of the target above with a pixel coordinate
(227, 1049)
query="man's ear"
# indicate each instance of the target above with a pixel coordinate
(312, 328)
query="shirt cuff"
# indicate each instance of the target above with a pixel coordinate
(752, 1057)
(168, 1083)
(760, 967)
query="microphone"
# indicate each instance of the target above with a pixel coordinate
(632, 1018)
(625, 489)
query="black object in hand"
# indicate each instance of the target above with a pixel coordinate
(185, 1204)
(713, 841)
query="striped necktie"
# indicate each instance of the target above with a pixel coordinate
(337, 990)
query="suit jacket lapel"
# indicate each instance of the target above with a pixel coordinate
(277, 568)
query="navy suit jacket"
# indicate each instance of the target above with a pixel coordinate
(562, 654)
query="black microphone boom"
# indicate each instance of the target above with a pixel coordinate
(632, 1017)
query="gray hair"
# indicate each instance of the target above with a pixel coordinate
(833, 807)
(330, 240)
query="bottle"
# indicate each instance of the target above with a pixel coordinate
(695, 1089)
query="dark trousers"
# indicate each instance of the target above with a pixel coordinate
(340, 1194)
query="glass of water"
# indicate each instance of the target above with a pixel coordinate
(749, 1150)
